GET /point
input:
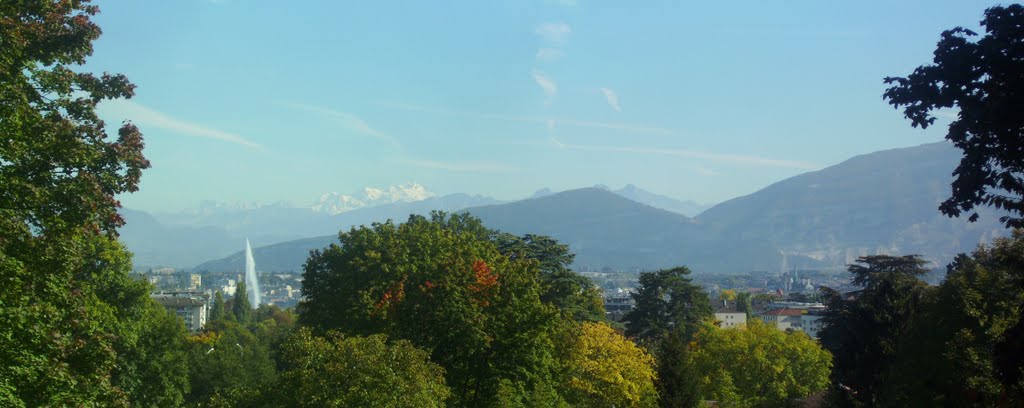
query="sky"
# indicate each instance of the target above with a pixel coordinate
(268, 101)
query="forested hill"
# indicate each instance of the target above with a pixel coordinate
(883, 202)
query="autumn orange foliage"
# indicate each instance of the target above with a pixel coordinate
(485, 280)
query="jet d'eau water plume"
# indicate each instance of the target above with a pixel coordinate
(251, 280)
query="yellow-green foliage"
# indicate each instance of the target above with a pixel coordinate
(756, 365)
(604, 369)
(339, 371)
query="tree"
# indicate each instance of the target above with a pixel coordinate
(865, 330)
(677, 380)
(982, 79)
(666, 301)
(756, 365)
(743, 304)
(227, 358)
(241, 307)
(59, 174)
(217, 309)
(669, 310)
(950, 357)
(573, 294)
(441, 283)
(340, 371)
(604, 369)
(153, 365)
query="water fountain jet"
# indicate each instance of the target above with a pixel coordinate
(251, 280)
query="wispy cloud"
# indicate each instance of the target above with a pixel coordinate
(461, 167)
(612, 98)
(549, 54)
(546, 84)
(554, 33)
(148, 117)
(550, 123)
(345, 119)
(738, 159)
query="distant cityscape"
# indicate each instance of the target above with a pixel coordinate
(787, 301)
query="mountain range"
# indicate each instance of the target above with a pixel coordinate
(188, 238)
(334, 203)
(882, 202)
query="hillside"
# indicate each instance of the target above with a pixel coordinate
(601, 227)
(884, 201)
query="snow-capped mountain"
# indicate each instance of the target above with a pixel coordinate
(335, 203)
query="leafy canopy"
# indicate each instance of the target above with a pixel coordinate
(604, 369)
(442, 284)
(75, 330)
(757, 365)
(339, 371)
(666, 301)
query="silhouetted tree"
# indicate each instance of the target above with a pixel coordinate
(983, 80)
(864, 329)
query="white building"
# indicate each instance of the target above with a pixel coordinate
(811, 323)
(191, 307)
(726, 316)
(784, 319)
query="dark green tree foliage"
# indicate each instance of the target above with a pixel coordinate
(241, 307)
(982, 79)
(217, 311)
(948, 358)
(863, 330)
(153, 368)
(339, 371)
(573, 294)
(228, 358)
(744, 304)
(677, 382)
(441, 283)
(666, 301)
(75, 330)
(669, 310)
(272, 325)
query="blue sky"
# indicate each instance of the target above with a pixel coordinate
(261, 101)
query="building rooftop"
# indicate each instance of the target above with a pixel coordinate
(784, 312)
(178, 301)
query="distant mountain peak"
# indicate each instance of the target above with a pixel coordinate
(335, 203)
(688, 208)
